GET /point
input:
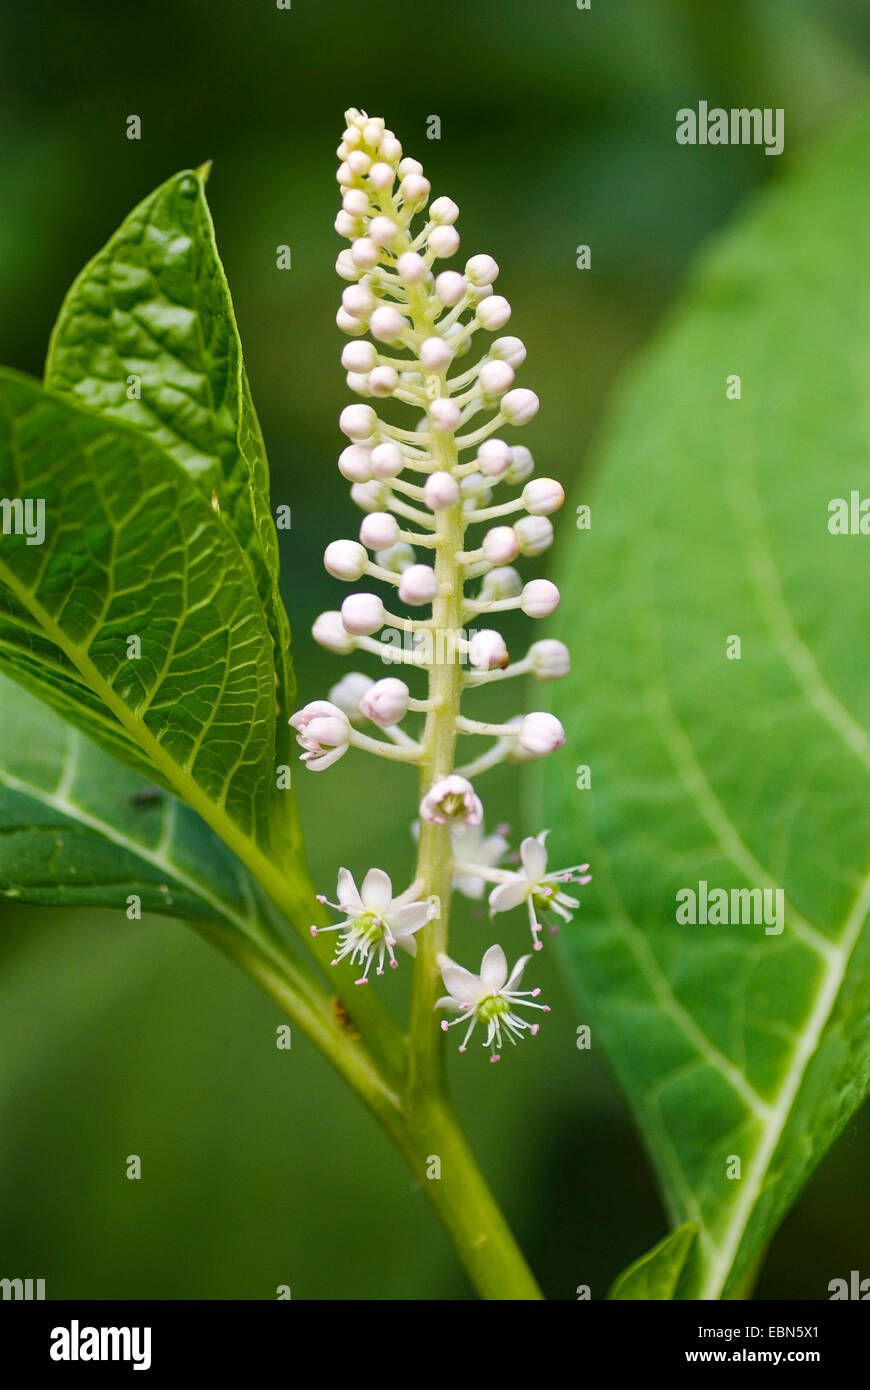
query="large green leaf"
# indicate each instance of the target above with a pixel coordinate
(710, 521)
(79, 830)
(133, 549)
(147, 334)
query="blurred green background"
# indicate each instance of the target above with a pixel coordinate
(119, 1038)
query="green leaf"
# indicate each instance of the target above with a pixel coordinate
(133, 549)
(710, 521)
(147, 334)
(656, 1274)
(79, 830)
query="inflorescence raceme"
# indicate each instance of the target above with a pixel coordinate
(410, 321)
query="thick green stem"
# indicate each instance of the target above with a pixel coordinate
(463, 1203)
(427, 1135)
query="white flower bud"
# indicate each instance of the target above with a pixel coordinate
(443, 241)
(444, 210)
(542, 496)
(359, 163)
(481, 270)
(540, 734)
(410, 166)
(481, 499)
(359, 357)
(385, 702)
(550, 660)
(379, 530)
(511, 350)
(386, 324)
(347, 694)
(358, 301)
(387, 460)
(359, 383)
(519, 406)
(493, 312)
(487, 651)
(357, 422)
(382, 176)
(351, 137)
(500, 545)
(383, 381)
(356, 202)
(449, 287)
(443, 414)
(347, 226)
(396, 558)
(435, 353)
(475, 490)
(493, 457)
(355, 464)
(349, 325)
(390, 149)
(522, 464)
(534, 534)
(330, 632)
(371, 496)
(345, 560)
(345, 267)
(440, 490)
(412, 268)
(495, 378)
(540, 598)
(373, 133)
(414, 188)
(383, 231)
(503, 582)
(362, 614)
(418, 584)
(365, 252)
(344, 173)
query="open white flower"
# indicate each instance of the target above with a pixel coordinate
(490, 997)
(534, 886)
(454, 802)
(374, 921)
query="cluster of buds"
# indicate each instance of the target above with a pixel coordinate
(410, 320)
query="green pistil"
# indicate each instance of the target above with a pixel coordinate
(492, 1007)
(369, 927)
